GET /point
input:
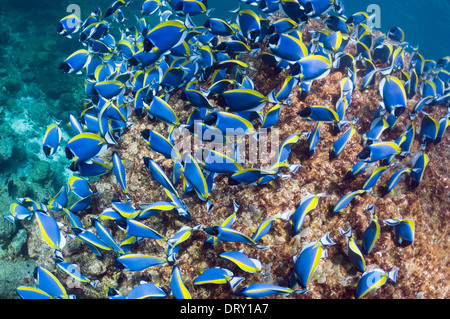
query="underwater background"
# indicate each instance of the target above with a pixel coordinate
(32, 89)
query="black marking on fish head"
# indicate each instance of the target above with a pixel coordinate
(148, 45)
(64, 67)
(295, 69)
(146, 161)
(364, 154)
(214, 231)
(306, 112)
(145, 134)
(274, 39)
(210, 119)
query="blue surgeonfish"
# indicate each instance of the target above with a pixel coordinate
(358, 168)
(149, 7)
(177, 285)
(180, 236)
(114, 6)
(374, 177)
(379, 151)
(52, 137)
(48, 282)
(227, 223)
(71, 269)
(260, 290)
(249, 175)
(59, 201)
(218, 276)
(105, 235)
(377, 127)
(342, 141)
(395, 178)
(93, 242)
(160, 144)
(68, 25)
(312, 67)
(76, 62)
(272, 116)
(181, 206)
(313, 137)
(237, 100)
(140, 230)
(229, 123)
(160, 109)
(153, 209)
(124, 209)
(84, 146)
(230, 235)
(346, 199)
(372, 232)
(95, 166)
(26, 292)
(287, 47)
(18, 212)
(321, 114)
(265, 226)
(146, 290)
(444, 122)
(115, 294)
(165, 36)
(420, 162)
(403, 230)
(195, 177)
(219, 27)
(393, 94)
(244, 262)
(354, 253)
(285, 147)
(308, 260)
(396, 34)
(109, 89)
(159, 175)
(429, 128)
(119, 172)
(214, 161)
(50, 230)
(373, 279)
(138, 262)
(80, 187)
(307, 203)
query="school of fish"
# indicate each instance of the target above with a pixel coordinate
(137, 72)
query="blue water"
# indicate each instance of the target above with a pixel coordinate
(425, 23)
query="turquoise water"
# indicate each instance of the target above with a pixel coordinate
(32, 89)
